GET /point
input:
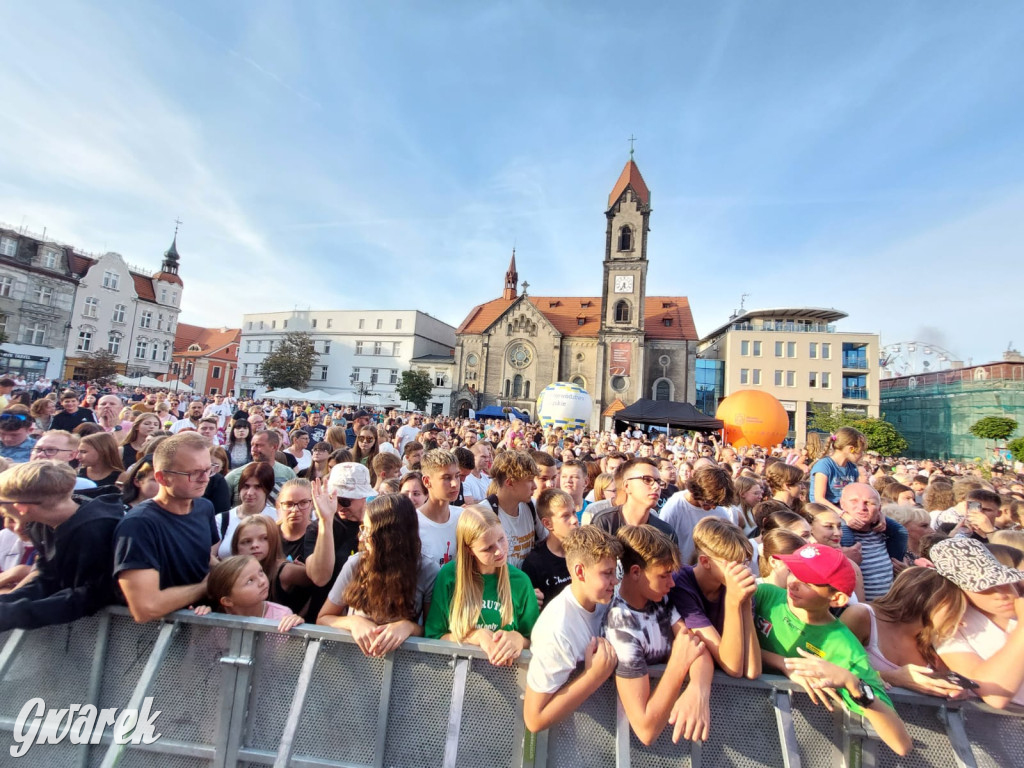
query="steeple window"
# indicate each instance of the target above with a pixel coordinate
(626, 239)
(622, 312)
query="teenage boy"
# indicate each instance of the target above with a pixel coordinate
(476, 482)
(572, 478)
(547, 473)
(514, 472)
(801, 638)
(639, 486)
(72, 415)
(568, 632)
(645, 628)
(467, 461)
(545, 565)
(707, 492)
(412, 454)
(714, 597)
(386, 466)
(74, 542)
(439, 517)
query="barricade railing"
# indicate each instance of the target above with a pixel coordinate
(232, 691)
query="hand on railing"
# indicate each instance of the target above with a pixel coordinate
(289, 622)
(922, 679)
(503, 647)
(819, 678)
(391, 636)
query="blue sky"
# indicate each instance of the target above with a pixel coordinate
(338, 155)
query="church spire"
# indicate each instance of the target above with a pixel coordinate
(171, 258)
(511, 279)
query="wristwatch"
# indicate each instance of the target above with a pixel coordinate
(865, 696)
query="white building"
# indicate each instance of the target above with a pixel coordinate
(440, 369)
(360, 350)
(128, 312)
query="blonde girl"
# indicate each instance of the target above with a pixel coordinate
(145, 424)
(832, 473)
(238, 586)
(779, 541)
(480, 599)
(749, 493)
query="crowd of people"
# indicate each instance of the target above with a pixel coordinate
(603, 553)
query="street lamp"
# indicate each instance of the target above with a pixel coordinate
(361, 387)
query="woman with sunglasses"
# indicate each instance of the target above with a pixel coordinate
(365, 449)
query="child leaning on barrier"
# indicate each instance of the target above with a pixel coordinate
(480, 599)
(568, 632)
(545, 564)
(714, 597)
(384, 589)
(800, 637)
(644, 628)
(237, 585)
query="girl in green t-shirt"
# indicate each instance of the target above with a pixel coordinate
(480, 599)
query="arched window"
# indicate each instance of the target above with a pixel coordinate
(508, 387)
(622, 312)
(663, 389)
(625, 239)
(526, 390)
(517, 385)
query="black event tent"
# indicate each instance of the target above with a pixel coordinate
(667, 413)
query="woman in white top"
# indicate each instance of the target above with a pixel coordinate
(900, 629)
(988, 647)
(255, 485)
(299, 449)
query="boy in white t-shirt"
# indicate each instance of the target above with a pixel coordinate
(514, 473)
(568, 632)
(438, 517)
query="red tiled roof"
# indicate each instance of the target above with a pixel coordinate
(564, 313)
(630, 177)
(78, 263)
(167, 277)
(144, 287)
(212, 341)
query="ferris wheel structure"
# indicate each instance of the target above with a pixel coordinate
(911, 358)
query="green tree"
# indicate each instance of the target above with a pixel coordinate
(415, 387)
(291, 364)
(99, 366)
(882, 436)
(993, 428)
(1016, 448)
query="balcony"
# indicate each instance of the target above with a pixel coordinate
(783, 327)
(855, 393)
(855, 363)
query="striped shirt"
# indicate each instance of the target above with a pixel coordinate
(875, 565)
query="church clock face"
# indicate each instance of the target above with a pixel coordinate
(623, 283)
(520, 356)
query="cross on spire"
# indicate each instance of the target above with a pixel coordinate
(525, 286)
(177, 223)
(632, 138)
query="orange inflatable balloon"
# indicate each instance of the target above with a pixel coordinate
(753, 417)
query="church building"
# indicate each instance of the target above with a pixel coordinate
(620, 346)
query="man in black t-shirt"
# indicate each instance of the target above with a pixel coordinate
(163, 548)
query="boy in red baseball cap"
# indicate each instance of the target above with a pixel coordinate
(801, 638)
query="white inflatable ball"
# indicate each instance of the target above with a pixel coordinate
(564, 405)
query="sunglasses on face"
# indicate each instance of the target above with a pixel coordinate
(344, 503)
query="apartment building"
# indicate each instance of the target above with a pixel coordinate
(796, 354)
(362, 353)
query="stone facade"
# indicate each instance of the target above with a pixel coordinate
(623, 345)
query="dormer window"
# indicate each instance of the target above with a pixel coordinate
(626, 239)
(667, 322)
(194, 348)
(50, 258)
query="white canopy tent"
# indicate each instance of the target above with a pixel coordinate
(285, 393)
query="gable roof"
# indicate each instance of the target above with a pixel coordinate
(630, 177)
(144, 287)
(565, 312)
(210, 340)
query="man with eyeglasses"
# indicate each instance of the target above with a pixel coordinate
(73, 539)
(15, 424)
(641, 484)
(334, 536)
(707, 492)
(163, 548)
(58, 445)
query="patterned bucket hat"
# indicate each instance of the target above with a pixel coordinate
(968, 564)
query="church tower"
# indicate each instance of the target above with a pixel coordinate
(511, 279)
(625, 285)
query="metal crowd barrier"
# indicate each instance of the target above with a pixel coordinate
(233, 692)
